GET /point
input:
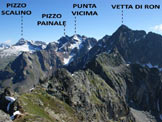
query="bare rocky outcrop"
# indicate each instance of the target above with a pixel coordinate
(4, 117)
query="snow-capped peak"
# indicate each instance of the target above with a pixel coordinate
(22, 41)
(77, 42)
(4, 46)
(71, 47)
(77, 38)
(23, 46)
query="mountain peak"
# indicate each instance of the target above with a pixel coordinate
(77, 37)
(4, 46)
(63, 40)
(21, 41)
(123, 28)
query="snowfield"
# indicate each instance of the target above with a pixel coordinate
(22, 46)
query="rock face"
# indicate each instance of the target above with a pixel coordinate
(88, 97)
(80, 80)
(38, 106)
(75, 47)
(9, 104)
(10, 53)
(28, 69)
(108, 88)
(4, 46)
(134, 47)
(4, 117)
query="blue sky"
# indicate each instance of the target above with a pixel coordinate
(106, 23)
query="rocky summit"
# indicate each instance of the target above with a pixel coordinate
(79, 79)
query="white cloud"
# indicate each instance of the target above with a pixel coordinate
(8, 42)
(157, 28)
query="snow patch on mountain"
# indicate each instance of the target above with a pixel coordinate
(68, 60)
(22, 46)
(77, 43)
(73, 47)
(16, 50)
(90, 47)
(15, 114)
(4, 46)
(151, 66)
(11, 99)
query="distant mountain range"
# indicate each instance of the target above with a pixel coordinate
(4, 46)
(115, 79)
(75, 52)
(134, 46)
(21, 46)
(9, 53)
(31, 67)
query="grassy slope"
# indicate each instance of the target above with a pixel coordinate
(39, 106)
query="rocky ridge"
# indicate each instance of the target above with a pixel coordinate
(110, 82)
